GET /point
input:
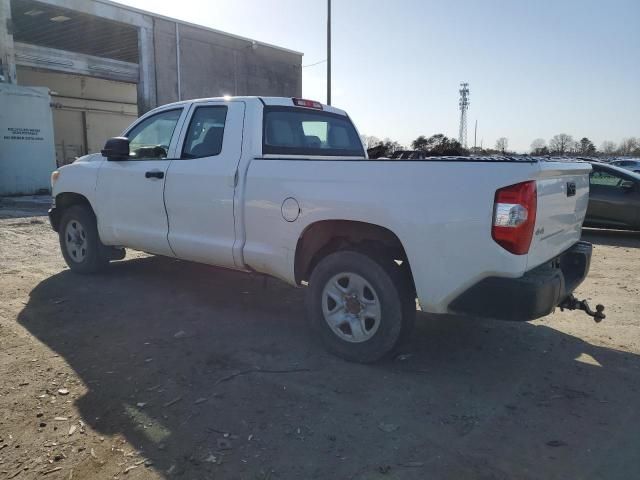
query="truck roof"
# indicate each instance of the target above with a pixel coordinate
(272, 101)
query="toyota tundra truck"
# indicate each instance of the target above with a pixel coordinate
(283, 187)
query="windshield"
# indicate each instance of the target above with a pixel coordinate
(298, 131)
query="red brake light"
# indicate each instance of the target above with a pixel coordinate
(514, 216)
(300, 102)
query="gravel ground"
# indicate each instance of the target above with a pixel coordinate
(164, 369)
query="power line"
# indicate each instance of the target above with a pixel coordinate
(314, 64)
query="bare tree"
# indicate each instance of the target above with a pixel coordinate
(502, 144)
(628, 145)
(370, 141)
(608, 147)
(391, 146)
(539, 147)
(561, 143)
(574, 147)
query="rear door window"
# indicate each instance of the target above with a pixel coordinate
(298, 131)
(206, 132)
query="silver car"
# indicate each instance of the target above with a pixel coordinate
(633, 165)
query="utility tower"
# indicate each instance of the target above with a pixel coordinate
(464, 106)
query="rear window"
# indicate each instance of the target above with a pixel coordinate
(297, 131)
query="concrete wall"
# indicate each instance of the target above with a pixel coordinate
(208, 63)
(7, 53)
(164, 39)
(86, 110)
(213, 64)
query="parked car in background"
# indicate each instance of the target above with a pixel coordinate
(614, 198)
(633, 165)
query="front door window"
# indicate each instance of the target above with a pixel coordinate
(150, 139)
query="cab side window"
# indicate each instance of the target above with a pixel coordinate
(206, 132)
(150, 139)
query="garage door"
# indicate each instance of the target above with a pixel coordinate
(86, 110)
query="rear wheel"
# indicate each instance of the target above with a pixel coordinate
(360, 308)
(81, 247)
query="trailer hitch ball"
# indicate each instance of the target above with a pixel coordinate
(599, 315)
(572, 303)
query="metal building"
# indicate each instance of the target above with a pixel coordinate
(105, 64)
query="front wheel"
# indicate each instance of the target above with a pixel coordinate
(79, 241)
(361, 309)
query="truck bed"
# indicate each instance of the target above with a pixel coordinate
(440, 208)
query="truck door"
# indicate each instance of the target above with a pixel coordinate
(130, 192)
(201, 181)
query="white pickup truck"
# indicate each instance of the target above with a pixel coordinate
(283, 187)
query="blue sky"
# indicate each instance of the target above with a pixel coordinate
(535, 67)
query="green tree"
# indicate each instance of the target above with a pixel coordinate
(438, 145)
(587, 147)
(421, 143)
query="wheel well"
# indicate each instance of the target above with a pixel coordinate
(328, 236)
(65, 200)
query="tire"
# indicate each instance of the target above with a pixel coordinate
(79, 241)
(350, 289)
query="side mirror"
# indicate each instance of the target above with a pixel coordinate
(627, 185)
(116, 149)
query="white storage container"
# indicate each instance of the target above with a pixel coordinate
(27, 152)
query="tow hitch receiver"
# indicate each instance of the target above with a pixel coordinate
(572, 303)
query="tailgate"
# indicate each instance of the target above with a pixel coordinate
(563, 195)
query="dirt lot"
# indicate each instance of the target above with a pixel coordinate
(175, 370)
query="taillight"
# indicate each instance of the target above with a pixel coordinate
(514, 216)
(301, 102)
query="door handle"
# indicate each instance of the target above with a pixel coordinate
(154, 174)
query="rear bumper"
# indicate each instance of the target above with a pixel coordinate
(534, 295)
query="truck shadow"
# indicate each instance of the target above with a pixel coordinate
(613, 238)
(158, 344)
